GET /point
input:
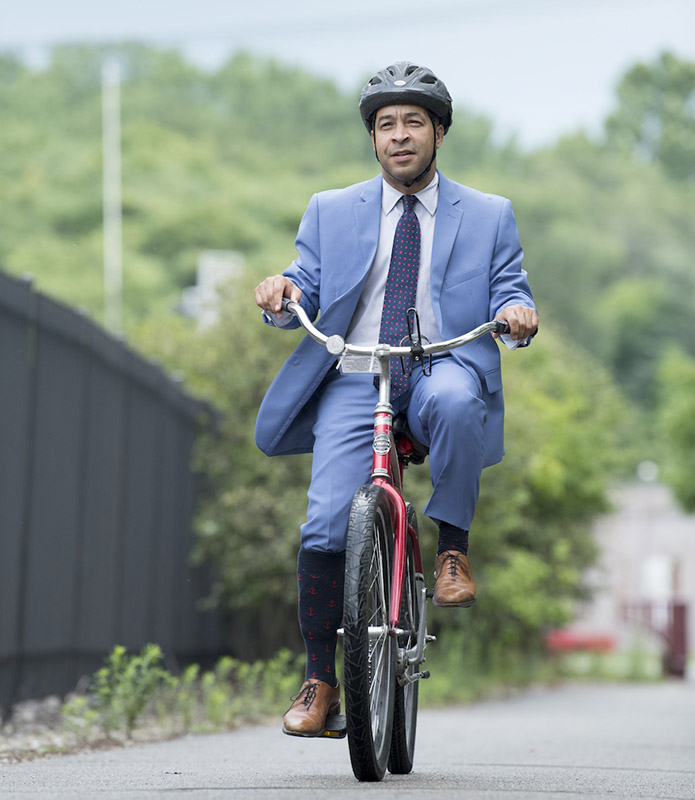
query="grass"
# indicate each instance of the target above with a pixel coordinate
(135, 690)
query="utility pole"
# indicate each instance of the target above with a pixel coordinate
(113, 238)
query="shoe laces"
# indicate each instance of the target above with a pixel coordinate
(307, 694)
(453, 561)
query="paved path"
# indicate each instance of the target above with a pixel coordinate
(624, 742)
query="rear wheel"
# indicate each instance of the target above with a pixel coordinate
(406, 695)
(368, 649)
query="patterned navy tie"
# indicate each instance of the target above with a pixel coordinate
(401, 287)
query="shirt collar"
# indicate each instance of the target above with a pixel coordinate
(427, 196)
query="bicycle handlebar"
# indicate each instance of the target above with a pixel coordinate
(335, 344)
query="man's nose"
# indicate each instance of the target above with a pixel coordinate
(400, 132)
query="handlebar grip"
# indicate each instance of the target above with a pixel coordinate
(502, 326)
(286, 303)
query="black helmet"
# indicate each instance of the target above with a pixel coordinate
(406, 83)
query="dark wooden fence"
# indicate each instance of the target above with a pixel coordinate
(96, 499)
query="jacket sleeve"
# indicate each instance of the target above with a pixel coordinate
(508, 280)
(305, 270)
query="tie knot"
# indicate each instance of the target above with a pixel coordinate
(409, 201)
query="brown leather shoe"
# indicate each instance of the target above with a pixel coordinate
(454, 584)
(307, 714)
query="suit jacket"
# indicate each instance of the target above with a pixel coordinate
(475, 272)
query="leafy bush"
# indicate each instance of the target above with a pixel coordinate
(132, 689)
(123, 688)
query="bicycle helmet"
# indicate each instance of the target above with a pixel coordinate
(406, 83)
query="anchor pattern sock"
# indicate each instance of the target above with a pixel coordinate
(320, 579)
(452, 538)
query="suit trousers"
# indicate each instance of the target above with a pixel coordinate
(445, 411)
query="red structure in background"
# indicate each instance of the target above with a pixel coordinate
(667, 620)
(568, 640)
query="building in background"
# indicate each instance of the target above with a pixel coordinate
(215, 269)
(644, 581)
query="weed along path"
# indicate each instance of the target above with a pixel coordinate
(623, 742)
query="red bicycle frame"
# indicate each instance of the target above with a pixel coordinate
(387, 472)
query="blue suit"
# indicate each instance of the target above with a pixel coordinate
(475, 272)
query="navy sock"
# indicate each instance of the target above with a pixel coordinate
(320, 578)
(452, 538)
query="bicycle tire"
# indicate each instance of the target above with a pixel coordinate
(406, 694)
(369, 672)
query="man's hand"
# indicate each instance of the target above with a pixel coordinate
(523, 321)
(269, 293)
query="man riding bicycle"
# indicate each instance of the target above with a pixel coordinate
(407, 238)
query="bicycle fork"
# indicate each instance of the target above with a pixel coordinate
(387, 473)
(416, 653)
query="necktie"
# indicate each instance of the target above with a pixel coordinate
(401, 287)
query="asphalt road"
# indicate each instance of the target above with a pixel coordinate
(623, 742)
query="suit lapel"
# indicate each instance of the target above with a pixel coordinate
(446, 228)
(367, 222)
(357, 258)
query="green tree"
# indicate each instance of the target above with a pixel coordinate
(676, 425)
(608, 245)
(655, 118)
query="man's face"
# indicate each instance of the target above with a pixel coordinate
(404, 140)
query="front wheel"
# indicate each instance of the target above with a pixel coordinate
(406, 697)
(369, 650)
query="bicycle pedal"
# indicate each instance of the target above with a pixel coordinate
(429, 594)
(336, 728)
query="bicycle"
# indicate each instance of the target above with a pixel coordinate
(384, 628)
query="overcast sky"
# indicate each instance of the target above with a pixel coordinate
(540, 68)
